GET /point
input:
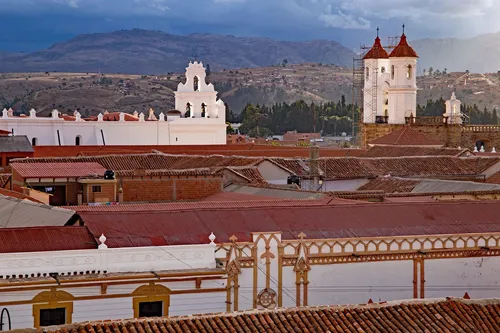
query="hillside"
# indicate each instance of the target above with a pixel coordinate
(155, 52)
(93, 93)
(478, 54)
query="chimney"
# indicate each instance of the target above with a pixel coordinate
(313, 165)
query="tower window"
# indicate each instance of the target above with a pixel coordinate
(382, 70)
(34, 141)
(195, 83)
(77, 140)
(367, 73)
(408, 71)
(392, 72)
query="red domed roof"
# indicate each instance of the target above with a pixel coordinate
(403, 50)
(377, 51)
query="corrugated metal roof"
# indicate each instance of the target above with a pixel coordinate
(45, 239)
(58, 170)
(124, 229)
(25, 213)
(17, 143)
(436, 186)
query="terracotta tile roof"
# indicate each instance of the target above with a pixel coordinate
(249, 149)
(406, 136)
(4, 132)
(57, 170)
(230, 203)
(398, 151)
(389, 185)
(431, 166)
(494, 179)
(4, 178)
(437, 316)
(160, 172)
(152, 161)
(403, 49)
(190, 225)
(17, 195)
(251, 174)
(377, 51)
(45, 238)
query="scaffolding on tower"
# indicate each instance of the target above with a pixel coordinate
(358, 76)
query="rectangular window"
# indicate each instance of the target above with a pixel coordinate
(96, 188)
(50, 317)
(151, 309)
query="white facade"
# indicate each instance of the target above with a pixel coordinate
(453, 110)
(353, 271)
(108, 283)
(137, 129)
(375, 90)
(402, 90)
(390, 88)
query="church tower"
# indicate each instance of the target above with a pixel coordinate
(402, 92)
(376, 63)
(196, 98)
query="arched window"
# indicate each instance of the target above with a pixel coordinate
(34, 141)
(152, 300)
(195, 83)
(54, 307)
(409, 70)
(392, 72)
(78, 140)
(382, 70)
(367, 73)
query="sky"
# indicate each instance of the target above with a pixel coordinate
(31, 25)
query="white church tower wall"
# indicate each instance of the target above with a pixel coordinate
(403, 82)
(390, 83)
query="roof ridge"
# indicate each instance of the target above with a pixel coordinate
(387, 304)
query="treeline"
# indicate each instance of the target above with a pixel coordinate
(473, 114)
(327, 118)
(330, 118)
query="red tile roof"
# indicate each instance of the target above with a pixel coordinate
(437, 316)
(399, 151)
(377, 51)
(191, 226)
(251, 174)
(17, 195)
(389, 185)
(403, 50)
(57, 170)
(45, 239)
(406, 136)
(230, 149)
(4, 179)
(4, 132)
(152, 161)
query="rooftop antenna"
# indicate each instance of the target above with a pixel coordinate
(195, 55)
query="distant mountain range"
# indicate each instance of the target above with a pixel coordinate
(154, 52)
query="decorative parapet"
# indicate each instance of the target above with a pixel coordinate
(110, 260)
(481, 128)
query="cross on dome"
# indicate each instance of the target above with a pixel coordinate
(377, 31)
(403, 28)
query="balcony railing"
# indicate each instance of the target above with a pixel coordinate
(481, 128)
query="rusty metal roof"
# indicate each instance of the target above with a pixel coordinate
(45, 239)
(124, 229)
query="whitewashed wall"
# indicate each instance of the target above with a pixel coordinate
(479, 277)
(197, 131)
(122, 307)
(115, 260)
(272, 173)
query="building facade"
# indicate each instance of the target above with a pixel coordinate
(67, 286)
(200, 119)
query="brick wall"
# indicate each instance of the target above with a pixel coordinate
(72, 193)
(107, 193)
(151, 189)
